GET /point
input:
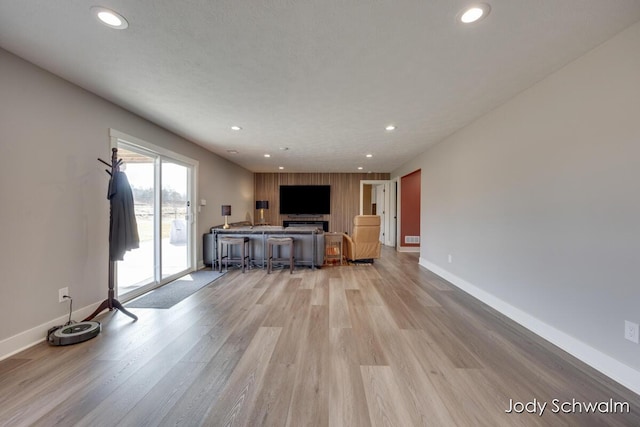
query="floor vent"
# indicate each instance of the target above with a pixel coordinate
(412, 239)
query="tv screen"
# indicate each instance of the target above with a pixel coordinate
(305, 199)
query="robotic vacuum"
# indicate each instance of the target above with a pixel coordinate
(73, 333)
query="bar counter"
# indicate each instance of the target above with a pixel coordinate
(308, 243)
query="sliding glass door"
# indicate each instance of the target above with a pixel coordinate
(176, 217)
(162, 189)
(138, 267)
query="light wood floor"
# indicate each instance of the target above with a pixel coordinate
(388, 344)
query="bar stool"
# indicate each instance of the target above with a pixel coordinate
(230, 242)
(279, 241)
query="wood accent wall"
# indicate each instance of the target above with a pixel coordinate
(345, 195)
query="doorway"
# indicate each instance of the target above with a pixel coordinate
(377, 197)
(410, 190)
(163, 187)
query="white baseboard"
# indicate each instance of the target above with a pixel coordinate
(33, 336)
(604, 363)
(408, 249)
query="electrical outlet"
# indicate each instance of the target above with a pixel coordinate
(61, 293)
(631, 331)
(450, 258)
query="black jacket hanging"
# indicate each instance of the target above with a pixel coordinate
(123, 228)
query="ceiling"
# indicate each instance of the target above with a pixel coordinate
(320, 78)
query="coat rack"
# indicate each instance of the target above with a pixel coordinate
(115, 185)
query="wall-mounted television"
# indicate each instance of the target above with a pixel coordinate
(305, 199)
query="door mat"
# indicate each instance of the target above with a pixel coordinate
(173, 292)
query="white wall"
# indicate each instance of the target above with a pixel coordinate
(538, 202)
(55, 216)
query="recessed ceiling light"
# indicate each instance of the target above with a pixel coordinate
(110, 18)
(360, 168)
(369, 156)
(236, 128)
(390, 127)
(280, 167)
(232, 151)
(474, 13)
(284, 148)
(267, 155)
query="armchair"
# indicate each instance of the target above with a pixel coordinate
(364, 243)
